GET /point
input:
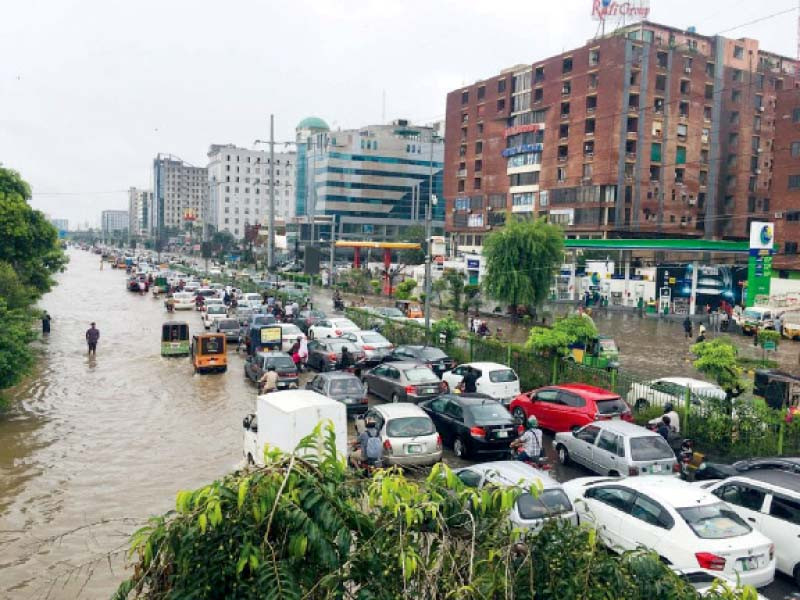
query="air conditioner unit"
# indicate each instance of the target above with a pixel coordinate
(687, 69)
(758, 150)
(779, 215)
(760, 109)
(758, 171)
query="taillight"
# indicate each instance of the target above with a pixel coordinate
(709, 561)
(338, 333)
(369, 347)
(287, 374)
(438, 441)
(520, 429)
(333, 356)
(633, 471)
(411, 390)
(387, 447)
(477, 432)
(676, 468)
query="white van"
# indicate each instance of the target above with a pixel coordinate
(495, 380)
(284, 418)
(768, 499)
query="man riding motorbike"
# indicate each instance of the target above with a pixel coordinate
(529, 445)
(269, 380)
(370, 443)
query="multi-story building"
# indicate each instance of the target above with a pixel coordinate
(785, 201)
(112, 221)
(180, 194)
(60, 224)
(647, 132)
(140, 205)
(239, 188)
(374, 181)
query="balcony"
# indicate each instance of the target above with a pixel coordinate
(461, 173)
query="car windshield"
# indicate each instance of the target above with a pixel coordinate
(391, 312)
(547, 504)
(502, 376)
(313, 314)
(280, 363)
(264, 320)
(714, 521)
(217, 310)
(212, 345)
(608, 345)
(752, 314)
(490, 411)
(229, 324)
(651, 447)
(420, 375)
(373, 338)
(430, 353)
(409, 427)
(347, 386)
(611, 406)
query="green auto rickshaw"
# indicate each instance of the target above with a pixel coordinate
(175, 339)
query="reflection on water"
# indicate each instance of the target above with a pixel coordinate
(95, 445)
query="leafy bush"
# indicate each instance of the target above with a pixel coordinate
(404, 289)
(556, 340)
(447, 326)
(717, 358)
(768, 335)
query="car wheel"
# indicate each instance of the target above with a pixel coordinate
(797, 575)
(641, 405)
(459, 448)
(395, 398)
(563, 454)
(519, 413)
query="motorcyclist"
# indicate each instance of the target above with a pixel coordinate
(170, 303)
(674, 419)
(529, 445)
(269, 380)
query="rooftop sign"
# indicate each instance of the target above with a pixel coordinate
(632, 10)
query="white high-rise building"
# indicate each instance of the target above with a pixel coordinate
(238, 188)
(114, 220)
(140, 207)
(180, 194)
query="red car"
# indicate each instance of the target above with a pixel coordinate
(568, 407)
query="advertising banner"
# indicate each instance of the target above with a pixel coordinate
(715, 283)
(271, 336)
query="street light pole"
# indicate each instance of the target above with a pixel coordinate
(271, 241)
(428, 217)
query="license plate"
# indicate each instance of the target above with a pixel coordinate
(501, 434)
(429, 391)
(414, 449)
(655, 469)
(750, 563)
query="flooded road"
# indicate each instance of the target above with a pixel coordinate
(92, 446)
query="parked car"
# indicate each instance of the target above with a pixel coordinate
(616, 448)
(770, 501)
(686, 526)
(570, 407)
(374, 345)
(291, 333)
(403, 382)
(324, 354)
(659, 392)
(408, 434)
(781, 463)
(230, 327)
(214, 312)
(331, 327)
(306, 318)
(530, 511)
(344, 387)
(431, 356)
(495, 380)
(387, 312)
(473, 424)
(256, 366)
(703, 582)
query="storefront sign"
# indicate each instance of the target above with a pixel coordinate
(522, 149)
(473, 263)
(523, 129)
(759, 268)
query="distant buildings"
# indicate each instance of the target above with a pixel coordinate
(180, 194)
(239, 187)
(140, 207)
(60, 224)
(114, 221)
(375, 180)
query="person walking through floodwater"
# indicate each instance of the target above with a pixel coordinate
(92, 335)
(687, 327)
(46, 318)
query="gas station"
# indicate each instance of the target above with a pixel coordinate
(387, 248)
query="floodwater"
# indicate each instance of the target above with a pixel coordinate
(93, 446)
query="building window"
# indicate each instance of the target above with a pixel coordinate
(563, 131)
(734, 119)
(633, 101)
(501, 105)
(655, 152)
(685, 87)
(738, 52)
(710, 69)
(476, 183)
(501, 86)
(790, 248)
(478, 147)
(657, 128)
(633, 125)
(566, 65)
(561, 174)
(591, 103)
(566, 88)
(758, 101)
(593, 80)
(478, 165)
(525, 199)
(736, 75)
(703, 178)
(796, 115)
(679, 173)
(538, 94)
(794, 182)
(460, 185)
(588, 148)
(481, 92)
(464, 97)
(655, 173)
(795, 149)
(538, 74)
(661, 82)
(594, 57)
(658, 105)
(563, 152)
(683, 109)
(709, 91)
(589, 126)
(587, 170)
(735, 95)
(564, 110)
(707, 110)
(733, 139)
(682, 131)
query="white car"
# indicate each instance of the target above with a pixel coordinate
(214, 313)
(212, 302)
(687, 526)
(770, 500)
(703, 582)
(291, 334)
(530, 511)
(251, 298)
(374, 345)
(408, 434)
(191, 286)
(332, 327)
(183, 300)
(496, 380)
(671, 389)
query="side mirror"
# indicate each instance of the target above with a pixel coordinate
(254, 429)
(246, 422)
(575, 433)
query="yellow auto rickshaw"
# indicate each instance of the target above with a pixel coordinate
(410, 308)
(209, 353)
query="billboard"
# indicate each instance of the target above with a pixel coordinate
(630, 11)
(715, 283)
(762, 236)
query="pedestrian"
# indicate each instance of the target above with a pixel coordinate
(701, 334)
(303, 352)
(687, 328)
(92, 335)
(46, 318)
(470, 381)
(778, 324)
(664, 427)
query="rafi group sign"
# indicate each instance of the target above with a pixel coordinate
(633, 10)
(759, 268)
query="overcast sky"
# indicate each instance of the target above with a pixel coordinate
(92, 90)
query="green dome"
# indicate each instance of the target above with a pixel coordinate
(313, 123)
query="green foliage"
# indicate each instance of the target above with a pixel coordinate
(717, 359)
(306, 527)
(768, 335)
(438, 287)
(455, 285)
(415, 233)
(473, 297)
(447, 326)
(355, 281)
(566, 331)
(404, 289)
(521, 259)
(16, 333)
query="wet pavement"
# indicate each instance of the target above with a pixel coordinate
(94, 446)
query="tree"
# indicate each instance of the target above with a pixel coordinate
(414, 233)
(306, 527)
(438, 287)
(455, 285)
(717, 359)
(557, 339)
(404, 289)
(521, 260)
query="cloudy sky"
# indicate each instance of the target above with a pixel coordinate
(92, 90)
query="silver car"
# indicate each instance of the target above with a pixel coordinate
(530, 510)
(616, 448)
(408, 434)
(374, 345)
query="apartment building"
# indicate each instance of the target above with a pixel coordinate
(114, 221)
(239, 187)
(650, 131)
(180, 194)
(785, 201)
(140, 206)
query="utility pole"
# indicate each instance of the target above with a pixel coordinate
(271, 240)
(333, 250)
(428, 217)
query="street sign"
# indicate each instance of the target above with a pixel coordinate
(769, 345)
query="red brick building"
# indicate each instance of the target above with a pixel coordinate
(649, 131)
(785, 204)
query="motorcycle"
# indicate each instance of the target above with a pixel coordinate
(338, 304)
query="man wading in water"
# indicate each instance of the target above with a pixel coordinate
(92, 335)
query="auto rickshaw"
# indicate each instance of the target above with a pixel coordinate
(175, 339)
(600, 353)
(209, 352)
(160, 285)
(410, 308)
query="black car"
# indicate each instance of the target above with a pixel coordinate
(256, 366)
(323, 355)
(430, 356)
(473, 424)
(344, 387)
(306, 318)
